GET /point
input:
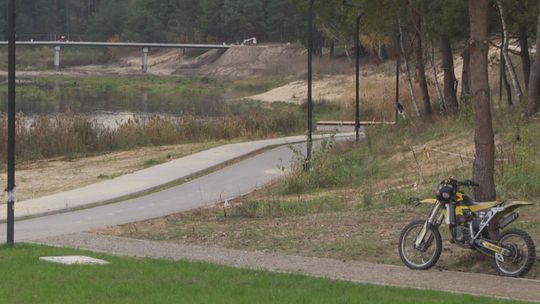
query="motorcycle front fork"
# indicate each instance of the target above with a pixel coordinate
(435, 219)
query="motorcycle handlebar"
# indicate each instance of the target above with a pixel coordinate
(467, 183)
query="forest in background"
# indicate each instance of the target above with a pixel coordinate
(158, 20)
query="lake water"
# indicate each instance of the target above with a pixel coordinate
(111, 101)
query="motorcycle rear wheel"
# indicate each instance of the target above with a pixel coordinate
(523, 253)
(425, 256)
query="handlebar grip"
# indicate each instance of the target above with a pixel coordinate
(471, 183)
(467, 183)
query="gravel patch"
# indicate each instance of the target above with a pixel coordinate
(456, 282)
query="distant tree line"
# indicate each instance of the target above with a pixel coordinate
(158, 20)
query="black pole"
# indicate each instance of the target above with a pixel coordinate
(310, 85)
(501, 67)
(398, 66)
(11, 125)
(357, 50)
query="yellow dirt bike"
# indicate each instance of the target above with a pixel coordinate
(472, 225)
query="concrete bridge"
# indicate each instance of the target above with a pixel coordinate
(145, 47)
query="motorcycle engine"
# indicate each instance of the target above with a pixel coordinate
(479, 216)
(462, 230)
(463, 234)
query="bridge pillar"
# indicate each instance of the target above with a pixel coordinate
(57, 58)
(145, 60)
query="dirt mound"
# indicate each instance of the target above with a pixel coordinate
(327, 88)
(236, 62)
(171, 61)
(245, 61)
(196, 62)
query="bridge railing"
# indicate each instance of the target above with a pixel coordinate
(144, 46)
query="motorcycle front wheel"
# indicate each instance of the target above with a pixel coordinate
(523, 252)
(420, 257)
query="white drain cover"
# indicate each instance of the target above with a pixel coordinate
(74, 260)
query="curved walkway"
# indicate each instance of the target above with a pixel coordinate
(146, 180)
(229, 182)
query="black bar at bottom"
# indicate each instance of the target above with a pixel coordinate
(10, 223)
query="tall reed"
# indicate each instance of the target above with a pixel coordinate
(64, 134)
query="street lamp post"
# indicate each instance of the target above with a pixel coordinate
(310, 86)
(10, 190)
(398, 65)
(357, 51)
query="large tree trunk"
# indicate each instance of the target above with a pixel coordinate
(450, 97)
(408, 72)
(534, 86)
(420, 68)
(524, 45)
(508, 61)
(484, 161)
(466, 75)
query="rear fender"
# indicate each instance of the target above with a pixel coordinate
(513, 205)
(507, 208)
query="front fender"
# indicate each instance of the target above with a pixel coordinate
(430, 201)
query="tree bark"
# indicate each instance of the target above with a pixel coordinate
(450, 97)
(507, 87)
(508, 61)
(484, 161)
(524, 45)
(420, 68)
(534, 86)
(466, 75)
(408, 72)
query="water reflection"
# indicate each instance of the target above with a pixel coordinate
(72, 97)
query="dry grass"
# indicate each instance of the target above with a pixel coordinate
(67, 134)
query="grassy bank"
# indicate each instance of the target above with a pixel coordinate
(356, 200)
(67, 134)
(129, 280)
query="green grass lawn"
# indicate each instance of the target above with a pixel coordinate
(128, 280)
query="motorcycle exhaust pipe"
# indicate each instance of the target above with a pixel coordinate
(508, 219)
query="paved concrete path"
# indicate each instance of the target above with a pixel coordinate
(235, 180)
(145, 180)
(456, 282)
